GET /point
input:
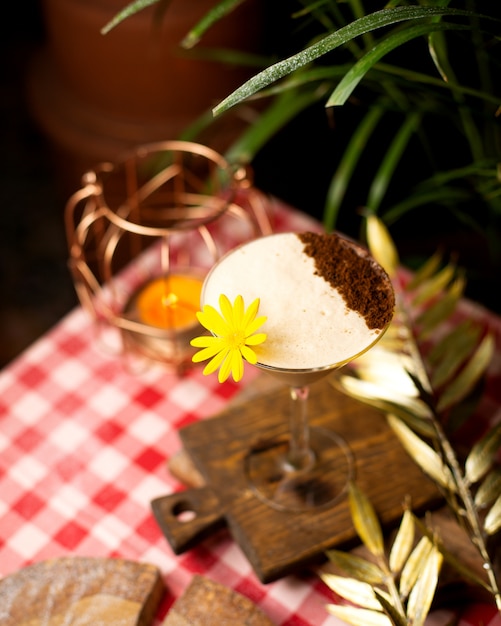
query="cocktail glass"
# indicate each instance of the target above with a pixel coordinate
(313, 328)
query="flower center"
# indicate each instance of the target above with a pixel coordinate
(236, 340)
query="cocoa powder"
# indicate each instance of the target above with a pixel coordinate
(349, 268)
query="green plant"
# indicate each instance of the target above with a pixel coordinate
(446, 78)
(417, 78)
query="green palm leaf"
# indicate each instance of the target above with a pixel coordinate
(219, 11)
(284, 108)
(345, 88)
(351, 156)
(128, 11)
(373, 21)
(391, 160)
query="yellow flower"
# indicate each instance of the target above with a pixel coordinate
(232, 333)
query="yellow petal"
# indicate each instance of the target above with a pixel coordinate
(212, 366)
(238, 312)
(255, 340)
(237, 366)
(211, 319)
(227, 311)
(251, 328)
(204, 341)
(225, 368)
(250, 313)
(207, 353)
(249, 355)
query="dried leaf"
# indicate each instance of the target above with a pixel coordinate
(482, 455)
(359, 617)
(442, 309)
(452, 361)
(419, 425)
(490, 488)
(414, 565)
(356, 567)
(435, 285)
(398, 329)
(386, 367)
(413, 412)
(402, 544)
(394, 344)
(428, 269)
(365, 390)
(459, 414)
(353, 590)
(463, 384)
(421, 596)
(427, 459)
(365, 520)
(462, 338)
(392, 612)
(493, 518)
(462, 568)
(381, 245)
(466, 329)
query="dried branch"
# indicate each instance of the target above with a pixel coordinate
(419, 388)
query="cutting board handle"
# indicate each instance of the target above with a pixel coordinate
(187, 517)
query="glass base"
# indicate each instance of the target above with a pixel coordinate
(319, 485)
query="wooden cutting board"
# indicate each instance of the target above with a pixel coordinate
(278, 543)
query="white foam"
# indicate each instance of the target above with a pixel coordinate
(309, 324)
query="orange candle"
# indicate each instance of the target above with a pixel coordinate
(170, 302)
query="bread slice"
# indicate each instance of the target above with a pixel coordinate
(208, 603)
(83, 592)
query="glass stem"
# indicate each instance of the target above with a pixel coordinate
(300, 456)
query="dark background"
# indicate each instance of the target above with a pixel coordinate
(35, 287)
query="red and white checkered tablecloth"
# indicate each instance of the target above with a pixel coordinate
(83, 449)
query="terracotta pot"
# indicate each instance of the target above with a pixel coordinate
(96, 96)
(138, 69)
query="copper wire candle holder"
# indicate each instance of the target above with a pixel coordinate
(142, 234)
